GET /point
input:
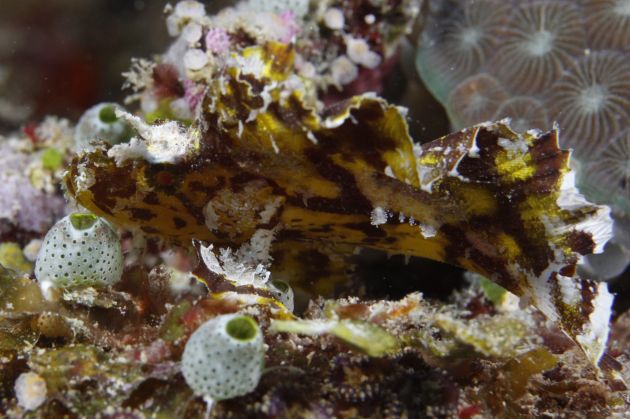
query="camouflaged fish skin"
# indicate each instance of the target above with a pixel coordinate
(262, 157)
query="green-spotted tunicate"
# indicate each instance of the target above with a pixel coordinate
(224, 357)
(100, 123)
(283, 293)
(79, 250)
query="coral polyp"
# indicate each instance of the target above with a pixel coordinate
(524, 112)
(608, 23)
(476, 98)
(461, 43)
(592, 100)
(540, 40)
(610, 173)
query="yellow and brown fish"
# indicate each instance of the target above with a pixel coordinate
(262, 157)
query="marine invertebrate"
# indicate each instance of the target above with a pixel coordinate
(358, 51)
(608, 23)
(217, 40)
(310, 373)
(592, 100)
(524, 112)
(343, 71)
(476, 99)
(546, 54)
(460, 44)
(567, 58)
(79, 250)
(100, 123)
(284, 293)
(540, 39)
(607, 176)
(224, 357)
(183, 13)
(334, 18)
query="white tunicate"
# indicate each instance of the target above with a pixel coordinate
(224, 357)
(283, 293)
(30, 390)
(80, 250)
(100, 123)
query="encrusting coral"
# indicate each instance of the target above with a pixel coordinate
(246, 174)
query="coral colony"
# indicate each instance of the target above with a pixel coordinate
(538, 62)
(201, 261)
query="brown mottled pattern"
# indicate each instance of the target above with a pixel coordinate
(330, 189)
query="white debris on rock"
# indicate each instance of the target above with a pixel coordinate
(30, 390)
